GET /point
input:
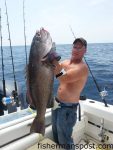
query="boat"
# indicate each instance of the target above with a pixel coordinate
(93, 131)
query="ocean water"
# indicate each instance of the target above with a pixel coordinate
(98, 56)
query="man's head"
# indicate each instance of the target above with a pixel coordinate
(81, 40)
(79, 49)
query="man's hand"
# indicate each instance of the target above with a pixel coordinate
(57, 66)
(51, 57)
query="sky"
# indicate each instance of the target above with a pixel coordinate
(90, 19)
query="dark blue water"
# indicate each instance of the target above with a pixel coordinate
(99, 58)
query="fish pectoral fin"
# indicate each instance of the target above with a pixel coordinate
(45, 59)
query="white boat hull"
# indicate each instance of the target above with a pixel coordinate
(95, 119)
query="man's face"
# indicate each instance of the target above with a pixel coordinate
(78, 50)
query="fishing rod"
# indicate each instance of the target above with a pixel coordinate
(101, 93)
(3, 80)
(14, 92)
(24, 30)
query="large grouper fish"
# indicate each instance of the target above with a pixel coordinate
(40, 78)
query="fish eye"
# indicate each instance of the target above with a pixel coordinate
(38, 35)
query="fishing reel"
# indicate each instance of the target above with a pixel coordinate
(10, 103)
(8, 100)
(103, 93)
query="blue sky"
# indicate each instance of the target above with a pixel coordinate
(91, 19)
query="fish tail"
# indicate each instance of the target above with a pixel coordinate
(38, 126)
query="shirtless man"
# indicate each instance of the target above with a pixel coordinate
(72, 75)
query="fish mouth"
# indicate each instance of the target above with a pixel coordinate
(42, 35)
(43, 41)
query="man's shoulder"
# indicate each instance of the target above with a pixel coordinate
(84, 68)
(81, 67)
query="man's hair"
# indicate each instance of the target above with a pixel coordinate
(81, 40)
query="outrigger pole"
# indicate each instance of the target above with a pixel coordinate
(15, 92)
(101, 93)
(24, 31)
(3, 80)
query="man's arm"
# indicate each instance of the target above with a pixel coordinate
(71, 75)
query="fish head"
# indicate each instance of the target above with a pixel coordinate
(42, 46)
(43, 41)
